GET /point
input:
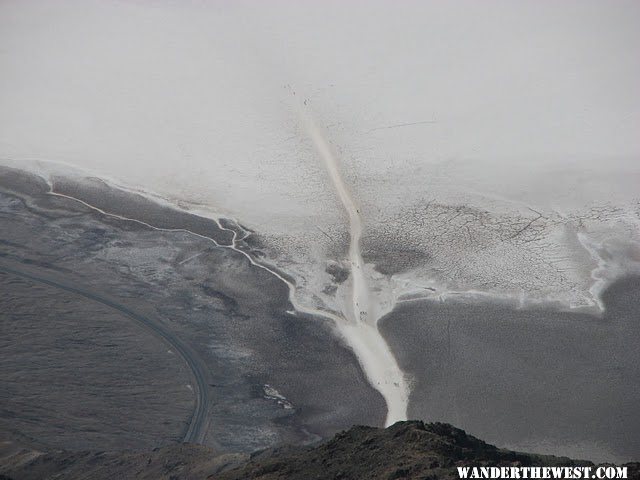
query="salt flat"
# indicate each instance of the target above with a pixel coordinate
(501, 116)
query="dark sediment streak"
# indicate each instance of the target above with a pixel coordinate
(97, 193)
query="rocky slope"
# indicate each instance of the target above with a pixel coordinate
(406, 450)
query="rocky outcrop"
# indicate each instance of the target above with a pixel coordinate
(406, 450)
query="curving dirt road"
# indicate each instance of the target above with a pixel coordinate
(197, 428)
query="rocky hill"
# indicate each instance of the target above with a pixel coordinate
(406, 450)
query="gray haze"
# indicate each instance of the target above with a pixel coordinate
(187, 98)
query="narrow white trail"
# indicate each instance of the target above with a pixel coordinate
(359, 328)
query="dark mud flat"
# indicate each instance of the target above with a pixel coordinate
(232, 315)
(75, 373)
(536, 380)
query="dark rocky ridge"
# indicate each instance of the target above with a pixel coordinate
(406, 450)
